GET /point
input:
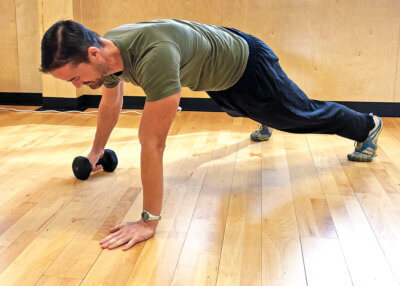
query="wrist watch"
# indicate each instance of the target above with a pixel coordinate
(146, 216)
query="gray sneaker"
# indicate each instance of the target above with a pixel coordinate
(263, 133)
(365, 151)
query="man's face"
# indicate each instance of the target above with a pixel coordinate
(90, 74)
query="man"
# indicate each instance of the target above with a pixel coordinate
(239, 71)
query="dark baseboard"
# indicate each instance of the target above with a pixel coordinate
(385, 109)
(20, 98)
(63, 104)
(137, 102)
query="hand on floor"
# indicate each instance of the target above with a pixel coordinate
(128, 233)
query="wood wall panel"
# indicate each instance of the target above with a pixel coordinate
(9, 70)
(397, 83)
(334, 50)
(51, 11)
(101, 16)
(28, 45)
(77, 10)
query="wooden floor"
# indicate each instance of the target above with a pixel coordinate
(291, 211)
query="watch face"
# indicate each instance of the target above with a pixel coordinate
(145, 216)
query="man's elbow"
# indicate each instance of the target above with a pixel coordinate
(113, 107)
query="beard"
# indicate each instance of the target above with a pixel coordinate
(96, 84)
(103, 72)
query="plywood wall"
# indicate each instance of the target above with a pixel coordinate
(338, 50)
(397, 89)
(19, 49)
(333, 49)
(9, 76)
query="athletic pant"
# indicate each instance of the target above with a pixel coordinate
(265, 94)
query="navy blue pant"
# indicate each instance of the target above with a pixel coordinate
(265, 94)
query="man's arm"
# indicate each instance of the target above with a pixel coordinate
(156, 120)
(109, 110)
(154, 126)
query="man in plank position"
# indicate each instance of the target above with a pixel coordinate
(240, 72)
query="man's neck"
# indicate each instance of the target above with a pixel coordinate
(113, 56)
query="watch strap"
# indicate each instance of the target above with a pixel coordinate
(147, 216)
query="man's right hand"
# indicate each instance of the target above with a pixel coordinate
(94, 158)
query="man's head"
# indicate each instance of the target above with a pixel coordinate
(72, 52)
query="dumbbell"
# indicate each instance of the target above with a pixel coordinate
(82, 168)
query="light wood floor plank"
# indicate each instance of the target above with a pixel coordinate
(282, 255)
(240, 262)
(381, 212)
(59, 232)
(365, 259)
(23, 231)
(159, 257)
(323, 257)
(199, 260)
(51, 281)
(78, 256)
(114, 267)
(194, 168)
(389, 141)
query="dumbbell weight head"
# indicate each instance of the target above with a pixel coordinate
(81, 166)
(109, 161)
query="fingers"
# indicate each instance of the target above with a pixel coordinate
(111, 240)
(109, 237)
(94, 158)
(131, 243)
(136, 239)
(96, 168)
(120, 241)
(115, 232)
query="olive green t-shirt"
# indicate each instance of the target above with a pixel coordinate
(161, 56)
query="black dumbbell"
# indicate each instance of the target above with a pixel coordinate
(82, 168)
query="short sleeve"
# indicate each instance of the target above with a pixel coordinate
(110, 81)
(158, 71)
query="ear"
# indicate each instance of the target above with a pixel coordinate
(93, 52)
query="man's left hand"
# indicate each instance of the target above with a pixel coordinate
(128, 233)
